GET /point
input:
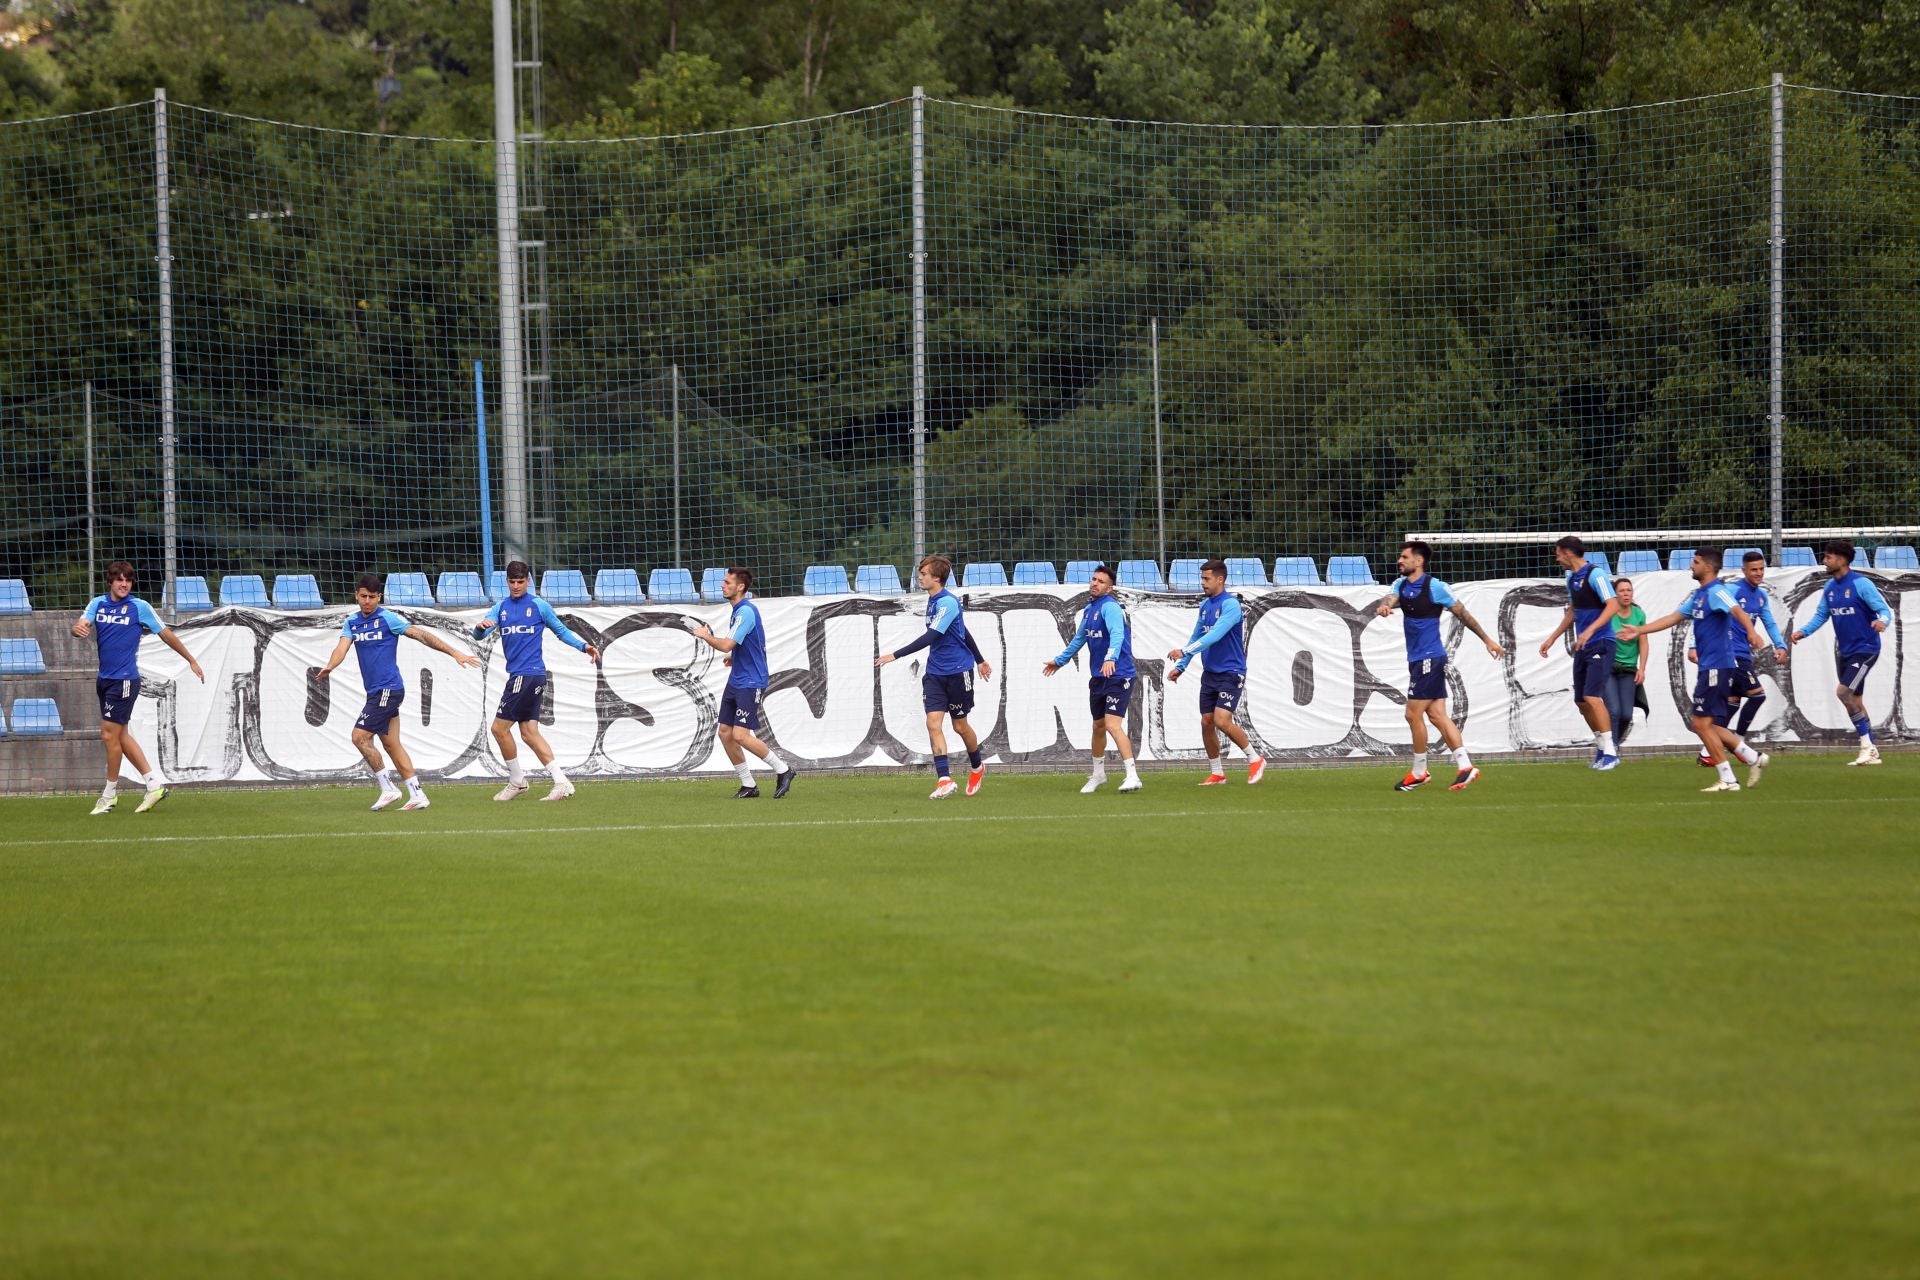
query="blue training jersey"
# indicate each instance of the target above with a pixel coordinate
(946, 618)
(1588, 591)
(1711, 608)
(116, 631)
(1853, 602)
(1217, 637)
(1421, 603)
(1103, 631)
(376, 640)
(522, 625)
(1755, 600)
(749, 670)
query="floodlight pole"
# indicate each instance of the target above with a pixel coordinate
(506, 196)
(919, 164)
(163, 255)
(1775, 361)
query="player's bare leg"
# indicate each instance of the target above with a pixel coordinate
(403, 764)
(1256, 764)
(1097, 775)
(516, 787)
(1116, 728)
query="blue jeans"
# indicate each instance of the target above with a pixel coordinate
(1619, 695)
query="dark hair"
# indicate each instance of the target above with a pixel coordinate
(518, 569)
(743, 576)
(1108, 570)
(374, 582)
(1420, 549)
(1622, 582)
(1839, 547)
(120, 569)
(1715, 556)
(1215, 565)
(939, 566)
(1571, 543)
(1751, 556)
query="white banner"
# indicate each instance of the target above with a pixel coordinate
(1326, 679)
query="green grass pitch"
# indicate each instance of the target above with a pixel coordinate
(1563, 1024)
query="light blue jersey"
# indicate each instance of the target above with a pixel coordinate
(749, 654)
(376, 641)
(1854, 603)
(116, 632)
(1422, 600)
(1217, 637)
(1104, 634)
(522, 624)
(1588, 592)
(1756, 601)
(946, 618)
(1711, 608)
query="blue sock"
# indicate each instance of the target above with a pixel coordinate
(1864, 727)
(973, 759)
(940, 767)
(1748, 709)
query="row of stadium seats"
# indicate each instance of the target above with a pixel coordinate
(1140, 575)
(1679, 560)
(32, 718)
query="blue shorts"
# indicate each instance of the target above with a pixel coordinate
(740, 707)
(1220, 689)
(1109, 696)
(1853, 671)
(522, 699)
(382, 706)
(1592, 667)
(949, 695)
(1745, 683)
(1427, 680)
(1710, 693)
(116, 699)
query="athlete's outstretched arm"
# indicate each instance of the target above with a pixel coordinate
(430, 638)
(1468, 621)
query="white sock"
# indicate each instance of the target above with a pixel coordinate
(745, 773)
(774, 761)
(516, 772)
(1726, 771)
(1099, 766)
(413, 786)
(1419, 763)
(1746, 754)
(1128, 762)
(111, 789)
(1213, 765)
(1461, 760)
(152, 780)
(385, 777)
(1866, 740)
(1605, 742)
(559, 778)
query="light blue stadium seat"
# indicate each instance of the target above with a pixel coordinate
(1184, 575)
(13, 598)
(1896, 558)
(1141, 575)
(190, 596)
(1734, 557)
(1860, 558)
(826, 580)
(497, 585)
(564, 586)
(21, 658)
(1035, 573)
(877, 580)
(977, 574)
(459, 590)
(1632, 562)
(1080, 572)
(296, 591)
(35, 718)
(710, 580)
(1798, 558)
(1599, 558)
(672, 586)
(1245, 571)
(1680, 560)
(243, 591)
(1296, 571)
(622, 586)
(410, 590)
(1350, 571)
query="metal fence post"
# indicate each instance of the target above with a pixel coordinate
(919, 161)
(163, 255)
(1775, 363)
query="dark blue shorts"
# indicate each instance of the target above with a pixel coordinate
(1427, 680)
(382, 706)
(1592, 667)
(522, 699)
(740, 707)
(1745, 683)
(1710, 690)
(116, 699)
(949, 695)
(1109, 696)
(1853, 672)
(1220, 689)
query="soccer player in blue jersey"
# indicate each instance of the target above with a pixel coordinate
(1103, 632)
(1217, 638)
(746, 650)
(522, 621)
(946, 687)
(1421, 599)
(115, 621)
(1859, 614)
(374, 636)
(1752, 596)
(1591, 607)
(1715, 614)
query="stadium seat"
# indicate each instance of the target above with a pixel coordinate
(1599, 558)
(243, 591)
(671, 586)
(1296, 571)
(410, 590)
(710, 580)
(1895, 558)
(1184, 575)
(1680, 560)
(13, 598)
(826, 580)
(1080, 572)
(1798, 558)
(1035, 573)
(21, 658)
(1245, 571)
(1350, 571)
(460, 590)
(1734, 557)
(1860, 560)
(877, 580)
(1141, 575)
(977, 574)
(190, 596)
(1632, 562)
(35, 718)
(497, 585)
(621, 586)
(564, 586)
(296, 591)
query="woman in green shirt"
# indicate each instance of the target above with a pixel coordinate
(1626, 685)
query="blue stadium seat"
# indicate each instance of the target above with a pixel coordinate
(1798, 558)
(243, 591)
(1632, 562)
(1035, 573)
(1141, 575)
(977, 574)
(458, 590)
(497, 585)
(1896, 558)
(190, 596)
(622, 586)
(710, 580)
(826, 580)
(35, 718)
(564, 586)
(21, 658)
(1734, 557)
(410, 590)
(1296, 571)
(13, 598)
(1680, 560)
(877, 580)
(296, 591)
(1245, 571)
(1350, 571)
(1860, 560)
(672, 586)
(1184, 575)
(1080, 572)
(1600, 558)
